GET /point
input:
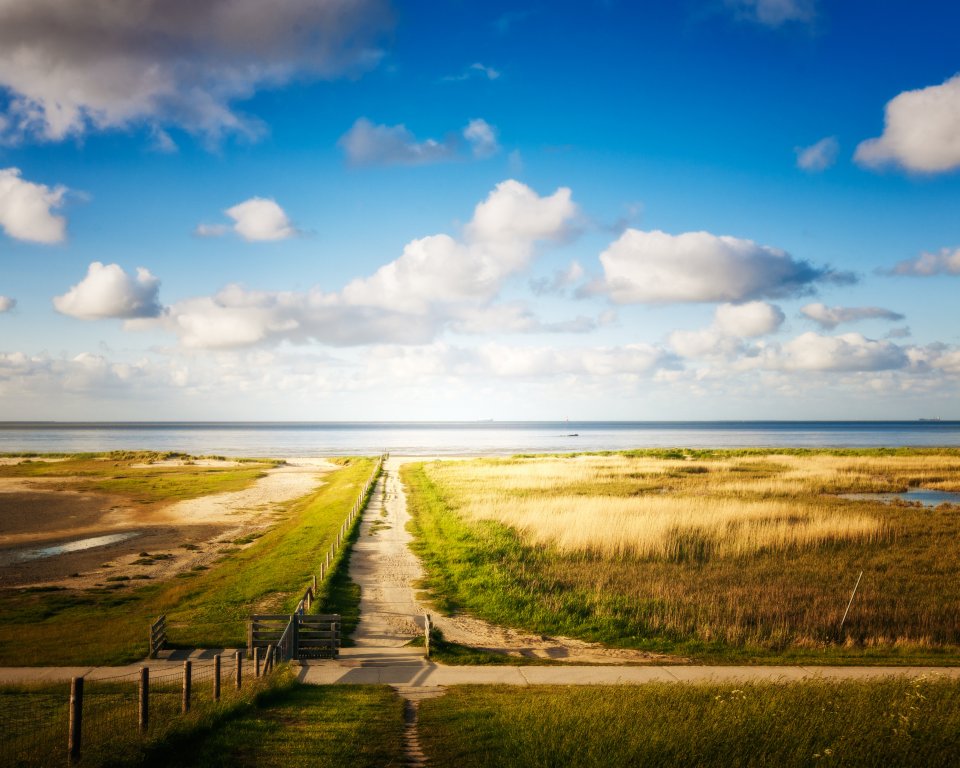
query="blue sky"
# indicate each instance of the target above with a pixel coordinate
(456, 210)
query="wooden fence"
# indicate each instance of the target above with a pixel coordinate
(158, 636)
(295, 636)
(102, 719)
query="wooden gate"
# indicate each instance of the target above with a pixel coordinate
(296, 636)
(318, 636)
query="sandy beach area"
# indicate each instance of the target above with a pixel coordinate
(114, 540)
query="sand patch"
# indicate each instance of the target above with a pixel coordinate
(170, 539)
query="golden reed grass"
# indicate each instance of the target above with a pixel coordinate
(617, 505)
(727, 549)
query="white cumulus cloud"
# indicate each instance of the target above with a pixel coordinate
(847, 352)
(437, 282)
(945, 262)
(921, 131)
(658, 268)
(831, 317)
(7, 304)
(72, 67)
(818, 156)
(260, 219)
(731, 324)
(109, 292)
(256, 219)
(26, 209)
(749, 320)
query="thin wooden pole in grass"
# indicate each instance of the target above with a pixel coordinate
(268, 667)
(216, 677)
(851, 600)
(256, 661)
(426, 634)
(76, 720)
(185, 702)
(315, 580)
(143, 713)
(238, 679)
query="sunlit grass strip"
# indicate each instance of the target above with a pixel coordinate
(302, 726)
(889, 723)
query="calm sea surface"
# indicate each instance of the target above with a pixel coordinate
(463, 438)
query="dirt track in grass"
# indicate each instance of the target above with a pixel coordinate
(391, 615)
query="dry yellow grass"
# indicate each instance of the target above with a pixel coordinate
(670, 526)
(725, 552)
(672, 509)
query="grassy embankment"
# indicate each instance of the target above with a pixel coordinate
(204, 608)
(717, 555)
(889, 723)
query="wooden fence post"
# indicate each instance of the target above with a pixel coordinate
(216, 677)
(185, 703)
(256, 661)
(295, 639)
(268, 664)
(315, 580)
(144, 698)
(76, 720)
(238, 681)
(249, 637)
(426, 634)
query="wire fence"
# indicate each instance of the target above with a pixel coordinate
(89, 722)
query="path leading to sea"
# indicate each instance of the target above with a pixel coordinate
(385, 568)
(390, 617)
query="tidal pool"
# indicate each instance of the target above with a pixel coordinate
(924, 496)
(23, 555)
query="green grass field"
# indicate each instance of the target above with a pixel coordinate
(720, 556)
(336, 726)
(205, 608)
(855, 724)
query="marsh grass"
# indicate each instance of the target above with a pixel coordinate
(204, 608)
(889, 723)
(739, 555)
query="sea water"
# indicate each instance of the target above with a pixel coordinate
(285, 439)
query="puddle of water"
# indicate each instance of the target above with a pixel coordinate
(926, 497)
(25, 555)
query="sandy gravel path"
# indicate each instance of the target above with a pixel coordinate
(387, 570)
